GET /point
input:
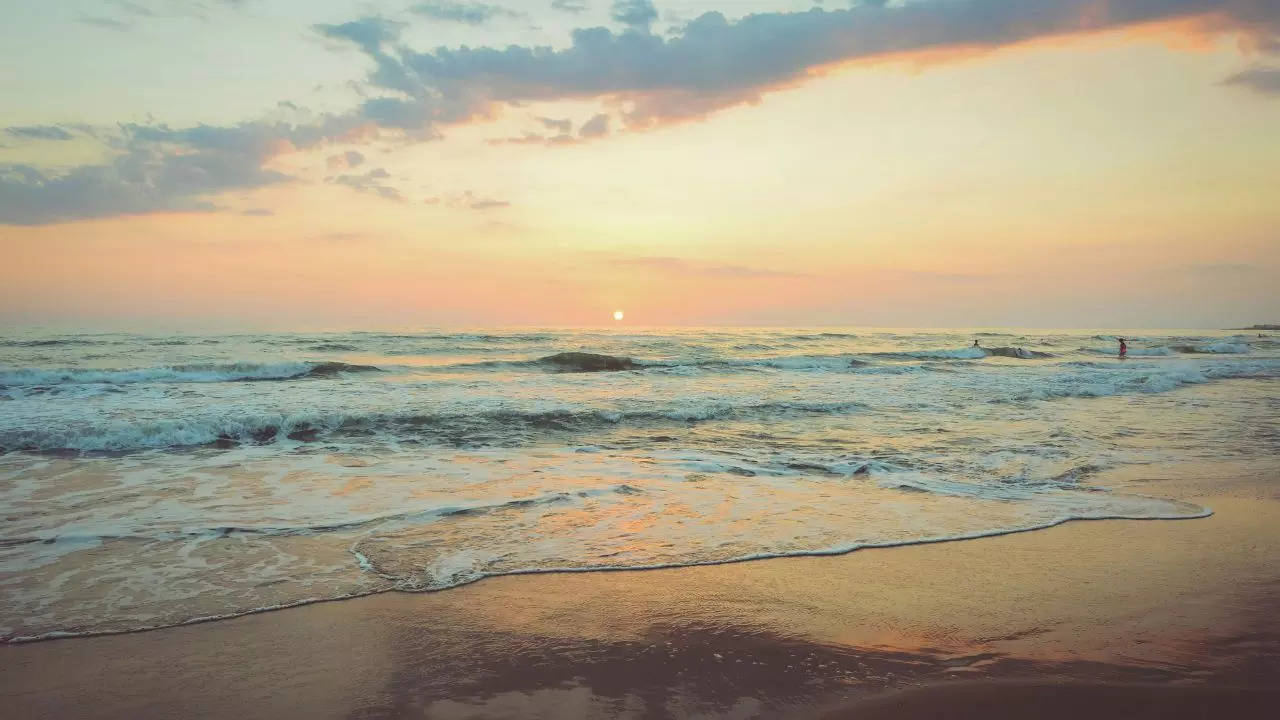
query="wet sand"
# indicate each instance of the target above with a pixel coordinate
(1104, 618)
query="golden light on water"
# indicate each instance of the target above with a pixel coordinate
(617, 314)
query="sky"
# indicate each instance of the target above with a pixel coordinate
(926, 163)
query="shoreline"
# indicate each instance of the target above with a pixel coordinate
(1203, 512)
(1169, 604)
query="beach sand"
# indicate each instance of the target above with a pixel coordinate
(1108, 618)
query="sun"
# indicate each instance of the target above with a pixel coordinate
(617, 314)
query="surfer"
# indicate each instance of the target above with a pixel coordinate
(1124, 349)
(975, 343)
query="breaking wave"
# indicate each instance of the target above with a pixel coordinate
(489, 428)
(189, 373)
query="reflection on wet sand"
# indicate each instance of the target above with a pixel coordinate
(1181, 605)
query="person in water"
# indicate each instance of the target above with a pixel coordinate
(975, 343)
(1124, 349)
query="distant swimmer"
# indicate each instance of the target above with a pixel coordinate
(1124, 349)
(975, 343)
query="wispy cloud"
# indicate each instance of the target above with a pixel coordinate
(569, 6)
(1220, 268)
(468, 200)
(106, 23)
(635, 14)
(346, 160)
(561, 125)
(124, 15)
(469, 13)
(1260, 79)
(597, 126)
(373, 181)
(39, 132)
(675, 265)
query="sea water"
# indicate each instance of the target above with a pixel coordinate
(155, 480)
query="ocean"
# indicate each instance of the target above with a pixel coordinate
(154, 480)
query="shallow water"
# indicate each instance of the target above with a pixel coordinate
(147, 481)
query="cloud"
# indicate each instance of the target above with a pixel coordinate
(368, 33)
(1265, 80)
(105, 23)
(530, 138)
(370, 182)
(338, 237)
(563, 125)
(129, 12)
(597, 126)
(713, 63)
(470, 13)
(258, 212)
(710, 64)
(39, 132)
(1228, 269)
(681, 266)
(346, 160)
(157, 170)
(469, 201)
(635, 14)
(569, 6)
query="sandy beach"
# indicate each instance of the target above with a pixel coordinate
(1114, 618)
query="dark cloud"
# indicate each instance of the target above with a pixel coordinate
(713, 63)
(635, 14)
(39, 132)
(373, 181)
(569, 6)
(152, 174)
(368, 33)
(470, 13)
(690, 267)
(597, 126)
(157, 169)
(1265, 80)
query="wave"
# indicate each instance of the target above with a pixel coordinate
(54, 342)
(190, 373)
(417, 516)
(416, 582)
(586, 362)
(597, 362)
(443, 576)
(1213, 348)
(488, 428)
(964, 353)
(1017, 352)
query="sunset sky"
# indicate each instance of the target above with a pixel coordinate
(341, 163)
